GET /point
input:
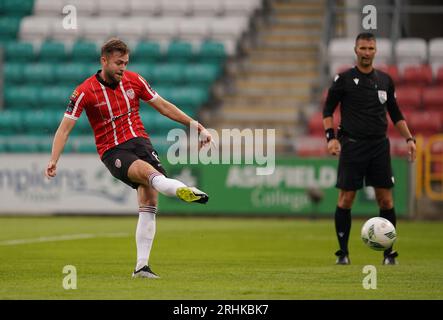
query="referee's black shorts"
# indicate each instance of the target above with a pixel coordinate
(364, 162)
(119, 159)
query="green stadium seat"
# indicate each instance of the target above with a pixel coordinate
(22, 96)
(13, 73)
(39, 73)
(179, 51)
(189, 97)
(212, 52)
(167, 74)
(52, 52)
(10, 122)
(82, 126)
(21, 146)
(201, 74)
(163, 91)
(55, 97)
(142, 69)
(3, 147)
(41, 122)
(85, 145)
(71, 74)
(17, 8)
(145, 52)
(19, 52)
(9, 27)
(83, 51)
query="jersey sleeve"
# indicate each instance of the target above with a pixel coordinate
(392, 106)
(76, 104)
(146, 92)
(335, 94)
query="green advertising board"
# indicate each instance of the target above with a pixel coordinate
(237, 190)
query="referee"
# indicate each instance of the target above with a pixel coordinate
(365, 94)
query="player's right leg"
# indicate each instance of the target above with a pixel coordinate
(144, 173)
(145, 232)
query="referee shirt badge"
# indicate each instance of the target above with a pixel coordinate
(382, 96)
(130, 93)
(118, 163)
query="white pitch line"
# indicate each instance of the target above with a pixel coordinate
(62, 238)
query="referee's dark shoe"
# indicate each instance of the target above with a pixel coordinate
(389, 258)
(342, 257)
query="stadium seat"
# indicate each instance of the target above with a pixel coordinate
(243, 8)
(392, 70)
(17, 8)
(22, 96)
(13, 73)
(130, 30)
(36, 29)
(21, 146)
(417, 75)
(167, 74)
(55, 97)
(39, 73)
(9, 27)
(194, 30)
(175, 8)
(436, 53)
(384, 51)
(179, 51)
(439, 76)
(228, 31)
(84, 8)
(201, 74)
(19, 52)
(10, 122)
(408, 97)
(71, 73)
(62, 34)
(433, 98)
(145, 52)
(85, 146)
(97, 29)
(189, 97)
(52, 52)
(40, 122)
(425, 122)
(112, 8)
(142, 69)
(162, 30)
(311, 147)
(411, 51)
(211, 51)
(49, 8)
(84, 51)
(144, 8)
(340, 52)
(206, 8)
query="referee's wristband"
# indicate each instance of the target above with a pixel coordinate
(330, 134)
(411, 139)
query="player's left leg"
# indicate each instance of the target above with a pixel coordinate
(145, 232)
(386, 204)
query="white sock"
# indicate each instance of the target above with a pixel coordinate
(164, 185)
(144, 235)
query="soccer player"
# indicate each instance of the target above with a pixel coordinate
(110, 99)
(365, 94)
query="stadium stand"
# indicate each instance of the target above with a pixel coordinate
(180, 46)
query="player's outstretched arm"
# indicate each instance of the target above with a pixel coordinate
(60, 139)
(172, 112)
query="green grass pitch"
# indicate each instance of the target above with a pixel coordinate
(212, 258)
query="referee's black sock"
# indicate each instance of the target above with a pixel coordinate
(389, 214)
(343, 227)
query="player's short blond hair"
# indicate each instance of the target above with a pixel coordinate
(113, 45)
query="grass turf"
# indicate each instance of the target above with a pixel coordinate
(213, 258)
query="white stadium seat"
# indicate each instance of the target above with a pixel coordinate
(60, 33)
(206, 7)
(228, 31)
(194, 30)
(384, 51)
(410, 51)
(240, 8)
(175, 8)
(340, 53)
(144, 8)
(51, 8)
(131, 30)
(112, 8)
(35, 29)
(84, 8)
(98, 29)
(436, 53)
(162, 29)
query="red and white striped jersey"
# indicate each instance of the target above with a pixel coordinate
(112, 110)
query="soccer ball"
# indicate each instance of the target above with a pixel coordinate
(378, 233)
